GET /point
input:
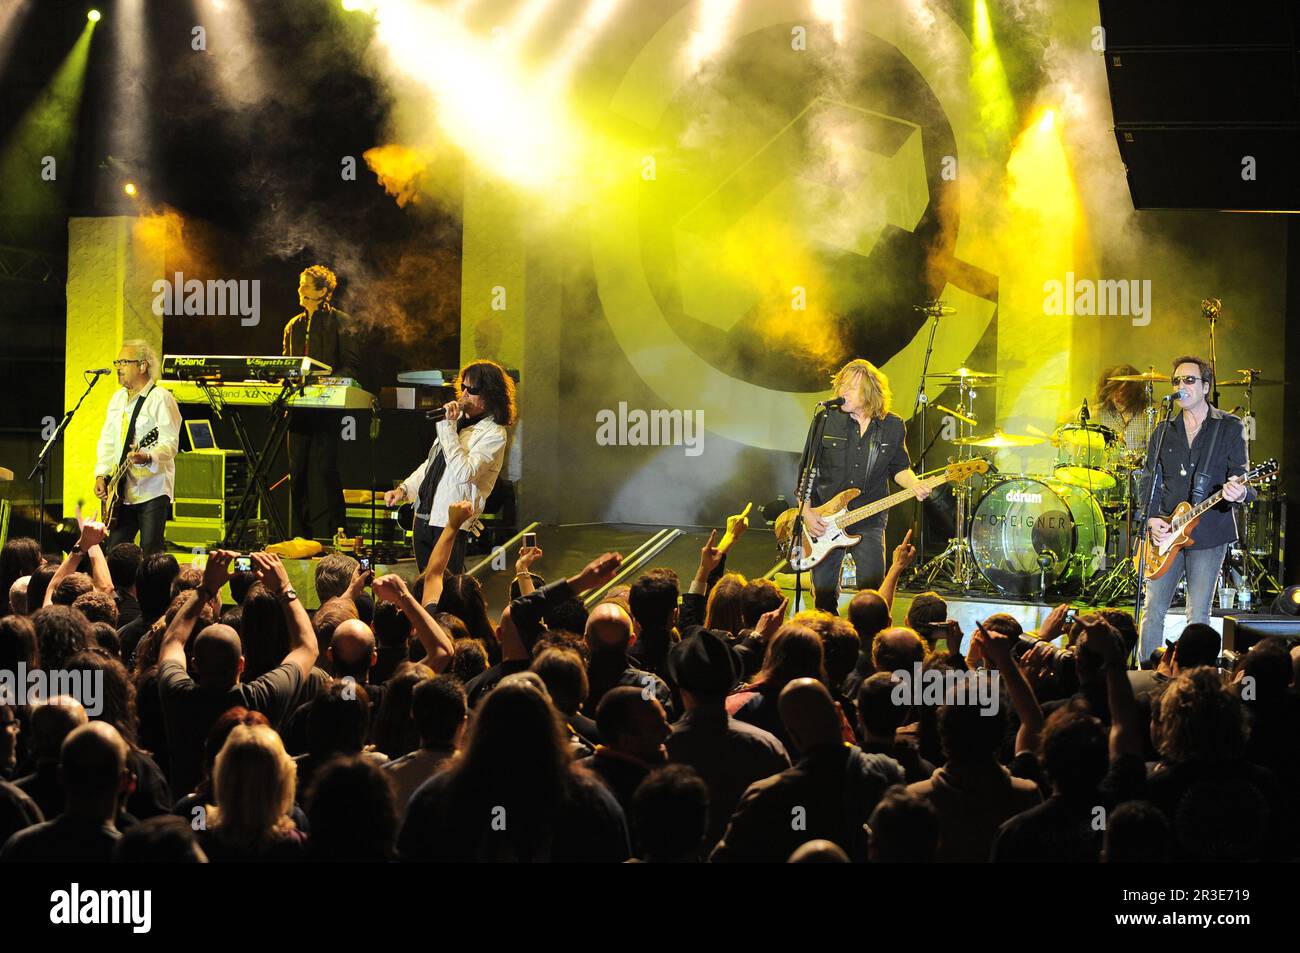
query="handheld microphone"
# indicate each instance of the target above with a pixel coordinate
(439, 413)
(833, 402)
(99, 370)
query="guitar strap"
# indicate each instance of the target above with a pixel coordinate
(1201, 477)
(130, 428)
(873, 449)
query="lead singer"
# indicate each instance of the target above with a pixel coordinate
(465, 459)
(863, 446)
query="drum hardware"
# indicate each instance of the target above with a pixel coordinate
(955, 563)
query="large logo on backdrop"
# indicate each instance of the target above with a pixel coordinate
(794, 204)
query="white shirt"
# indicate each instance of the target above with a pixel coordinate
(474, 457)
(160, 410)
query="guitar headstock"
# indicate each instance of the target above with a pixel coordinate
(148, 440)
(956, 472)
(1261, 471)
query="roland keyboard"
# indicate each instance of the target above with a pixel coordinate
(324, 394)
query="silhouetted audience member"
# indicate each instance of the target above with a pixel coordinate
(95, 778)
(632, 729)
(903, 829)
(828, 794)
(159, 840)
(352, 812)
(669, 816)
(514, 793)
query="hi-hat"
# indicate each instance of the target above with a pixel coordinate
(1152, 376)
(998, 440)
(967, 373)
(1249, 382)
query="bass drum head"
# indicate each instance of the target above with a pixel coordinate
(1035, 537)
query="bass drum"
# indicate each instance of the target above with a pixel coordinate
(1036, 538)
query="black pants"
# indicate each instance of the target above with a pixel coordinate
(315, 485)
(425, 537)
(148, 519)
(868, 557)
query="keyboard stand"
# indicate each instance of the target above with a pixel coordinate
(259, 464)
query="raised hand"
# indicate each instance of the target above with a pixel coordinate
(216, 572)
(92, 534)
(904, 552)
(527, 556)
(460, 513)
(769, 622)
(390, 588)
(270, 571)
(710, 555)
(597, 572)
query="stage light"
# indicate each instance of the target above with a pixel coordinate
(997, 107)
(580, 39)
(832, 13)
(94, 16)
(502, 119)
(48, 128)
(130, 189)
(1048, 122)
(1288, 601)
(710, 33)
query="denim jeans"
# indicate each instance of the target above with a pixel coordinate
(868, 557)
(1202, 568)
(148, 519)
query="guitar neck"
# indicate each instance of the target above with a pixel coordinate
(1212, 501)
(849, 517)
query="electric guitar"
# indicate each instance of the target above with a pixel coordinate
(1160, 556)
(808, 552)
(108, 506)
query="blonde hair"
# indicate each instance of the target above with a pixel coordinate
(253, 782)
(872, 384)
(144, 352)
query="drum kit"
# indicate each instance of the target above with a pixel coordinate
(1060, 536)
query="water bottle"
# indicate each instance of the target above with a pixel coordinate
(339, 540)
(848, 573)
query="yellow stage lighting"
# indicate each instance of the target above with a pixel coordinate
(94, 16)
(130, 189)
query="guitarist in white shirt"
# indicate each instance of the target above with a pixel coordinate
(147, 490)
(1191, 450)
(863, 446)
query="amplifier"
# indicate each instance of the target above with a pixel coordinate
(198, 534)
(1240, 632)
(209, 484)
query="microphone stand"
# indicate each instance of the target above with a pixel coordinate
(807, 472)
(42, 460)
(1146, 515)
(920, 406)
(1210, 308)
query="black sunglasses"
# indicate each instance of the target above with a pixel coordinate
(471, 389)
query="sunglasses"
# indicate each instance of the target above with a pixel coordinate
(471, 389)
(126, 363)
(1183, 380)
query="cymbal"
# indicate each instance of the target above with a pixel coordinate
(998, 440)
(967, 373)
(1247, 382)
(1152, 376)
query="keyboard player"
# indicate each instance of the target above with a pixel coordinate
(322, 332)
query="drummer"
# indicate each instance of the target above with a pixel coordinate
(1122, 406)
